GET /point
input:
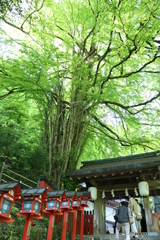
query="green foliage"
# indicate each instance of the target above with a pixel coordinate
(6, 5)
(70, 185)
(82, 78)
(57, 232)
(21, 141)
(39, 231)
(13, 231)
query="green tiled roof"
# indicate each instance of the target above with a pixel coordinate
(5, 187)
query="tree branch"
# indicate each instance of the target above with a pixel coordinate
(132, 106)
(144, 103)
(149, 124)
(20, 29)
(137, 71)
(118, 64)
(11, 24)
(37, 10)
(152, 72)
(13, 90)
(104, 126)
(69, 34)
(102, 57)
(123, 143)
(90, 6)
(117, 104)
(109, 136)
(92, 30)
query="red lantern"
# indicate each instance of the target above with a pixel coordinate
(76, 205)
(9, 192)
(53, 207)
(32, 199)
(84, 197)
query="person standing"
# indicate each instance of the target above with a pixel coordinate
(122, 215)
(138, 221)
(132, 204)
(143, 221)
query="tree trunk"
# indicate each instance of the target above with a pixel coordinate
(66, 133)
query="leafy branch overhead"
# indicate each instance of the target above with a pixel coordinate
(91, 69)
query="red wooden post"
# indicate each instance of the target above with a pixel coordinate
(64, 229)
(1, 199)
(51, 226)
(82, 223)
(27, 228)
(74, 224)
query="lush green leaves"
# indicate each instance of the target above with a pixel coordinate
(87, 72)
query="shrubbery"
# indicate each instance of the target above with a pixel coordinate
(14, 231)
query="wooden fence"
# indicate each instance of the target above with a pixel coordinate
(88, 223)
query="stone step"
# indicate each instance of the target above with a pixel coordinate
(121, 237)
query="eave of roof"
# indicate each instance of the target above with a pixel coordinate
(55, 193)
(123, 158)
(131, 162)
(8, 186)
(33, 191)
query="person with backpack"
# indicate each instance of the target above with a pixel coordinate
(122, 216)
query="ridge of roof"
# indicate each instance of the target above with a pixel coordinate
(58, 193)
(8, 185)
(123, 158)
(32, 191)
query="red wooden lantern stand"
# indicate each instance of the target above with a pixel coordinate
(53, 207)
(32, 199)
(65, 208)
(9, 192)
(86, 196)
(75, 205)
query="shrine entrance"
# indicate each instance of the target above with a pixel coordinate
(113, 176)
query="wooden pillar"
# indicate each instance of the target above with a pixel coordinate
(99, 216)
(82, 223)
(147, 213)
(27, 228)
(64, 228)
(51, 226)
(74, 224)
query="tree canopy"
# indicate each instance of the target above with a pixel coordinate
(82, 78)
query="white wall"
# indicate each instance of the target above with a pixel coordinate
(110, 212)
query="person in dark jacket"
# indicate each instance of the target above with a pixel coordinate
(143, 221)
(123, 220)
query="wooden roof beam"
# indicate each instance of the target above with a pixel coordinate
(96, 176)
(115, 173)
(153, 184)
(88, 177)
(93, 182)
(122, 175)
(126, 175)
(142, 176)
(116, 177)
